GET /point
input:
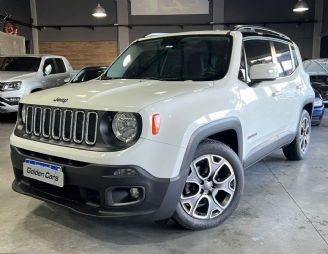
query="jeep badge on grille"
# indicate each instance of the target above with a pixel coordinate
(62, 100)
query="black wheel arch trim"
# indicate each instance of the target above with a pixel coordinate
(230, 123)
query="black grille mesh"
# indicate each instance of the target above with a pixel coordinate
(62, 124)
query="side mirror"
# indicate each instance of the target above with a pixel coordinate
(262, 72)
(47, 70)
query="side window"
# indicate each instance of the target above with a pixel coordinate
(243, 75)
(50, 61)
(60, 65)
(258, 52)
(296, 63)
(284, 59)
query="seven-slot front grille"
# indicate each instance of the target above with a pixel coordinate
(62, 124)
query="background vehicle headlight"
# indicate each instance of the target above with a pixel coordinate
(10, 86)
(125, 127)
(318, 102)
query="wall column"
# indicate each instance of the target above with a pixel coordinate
(218, 14)
(35, 32)
(122, 7)
(317, 29)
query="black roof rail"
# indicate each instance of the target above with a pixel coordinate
(258, 30)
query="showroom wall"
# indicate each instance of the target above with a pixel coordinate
(325, 18)
(239, 11)
(20, 9)
(140, 31)
(82, 46)
(77, 12)
(275, 11)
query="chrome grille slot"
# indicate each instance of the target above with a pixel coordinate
(68, 125)
(79, 127)
(91, 128)
(56, 124)
(29, 120)
(46, 122)
(37, 121)
(59, 124)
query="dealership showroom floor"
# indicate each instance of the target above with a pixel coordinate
(283, 210)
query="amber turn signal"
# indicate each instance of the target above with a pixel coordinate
(156, 122)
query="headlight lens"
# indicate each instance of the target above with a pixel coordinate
(11, 86)
(318, 102)
(125, 127)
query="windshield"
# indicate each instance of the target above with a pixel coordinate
(174, 58)
(88, 74)
(24, 64)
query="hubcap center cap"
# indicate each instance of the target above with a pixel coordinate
(208, 186)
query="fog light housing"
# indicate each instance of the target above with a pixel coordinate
(124, 196)
(135, 193)
(125, 172)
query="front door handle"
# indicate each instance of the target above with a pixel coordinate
(299, 86)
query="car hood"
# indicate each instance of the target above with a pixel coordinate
(114, 95)
(6, 76)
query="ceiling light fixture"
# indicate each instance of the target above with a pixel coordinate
(301, 6)
(99, 12)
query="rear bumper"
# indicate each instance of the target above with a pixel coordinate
(88, 188)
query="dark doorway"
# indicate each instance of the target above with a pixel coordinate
(324, 47)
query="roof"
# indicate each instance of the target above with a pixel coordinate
(316, 67)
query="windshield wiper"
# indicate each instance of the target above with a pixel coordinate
(110, 78)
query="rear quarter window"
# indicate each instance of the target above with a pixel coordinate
(284, 58)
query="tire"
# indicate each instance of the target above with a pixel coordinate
(297, 150)
(210, 194)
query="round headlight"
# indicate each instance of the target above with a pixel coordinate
(125, 127)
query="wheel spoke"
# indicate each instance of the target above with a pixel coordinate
(226, 185)
(214, 208)
(201, 210)
(190, 203)
(203, 167)
(193, 176)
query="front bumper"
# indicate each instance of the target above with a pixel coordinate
(87, 188)
(8, 107)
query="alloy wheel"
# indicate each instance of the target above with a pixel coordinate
(305, 130)
(209, 188)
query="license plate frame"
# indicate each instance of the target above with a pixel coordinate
(44, 172)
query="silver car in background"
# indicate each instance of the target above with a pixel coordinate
(26, 74)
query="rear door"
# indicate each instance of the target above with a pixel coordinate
(288, 85)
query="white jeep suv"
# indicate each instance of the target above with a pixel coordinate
(168, 129)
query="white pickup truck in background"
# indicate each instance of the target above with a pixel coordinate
(26, 74)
